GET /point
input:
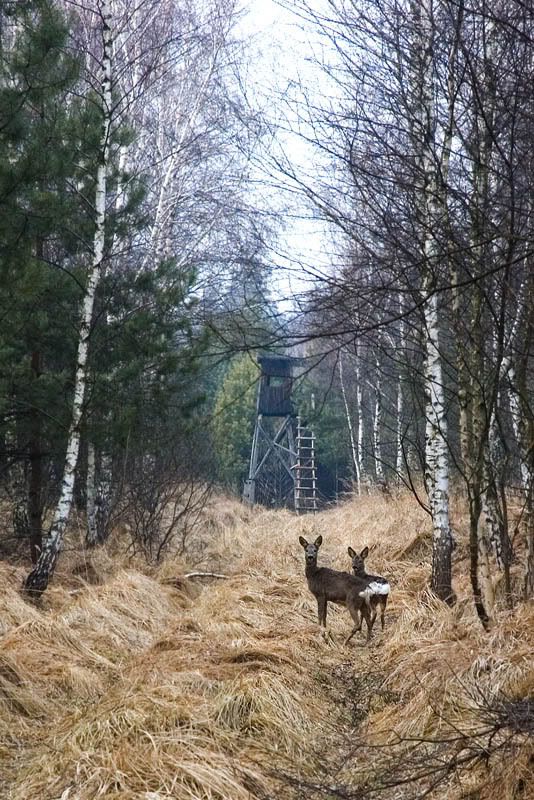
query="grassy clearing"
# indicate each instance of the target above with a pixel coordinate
(135, 683)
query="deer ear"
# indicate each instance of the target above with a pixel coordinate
(364, 553)
(303, 541)
(318, 542)
(351, 552)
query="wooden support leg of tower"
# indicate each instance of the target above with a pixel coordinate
(249, 490)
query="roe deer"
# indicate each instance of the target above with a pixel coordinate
(338, 587)
(377, 584)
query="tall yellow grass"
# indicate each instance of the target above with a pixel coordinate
(145, 685)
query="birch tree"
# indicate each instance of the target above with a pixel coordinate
(354, 447)
(172, 73)
(38, 579)
(142, 42)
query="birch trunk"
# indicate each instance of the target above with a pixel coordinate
(98, 496)
(354, 453)
(38, 579)
(493, 515)
(524, 424)
(90, 491)
(399, 463)
(99, 480)
(359, 405)
(432, 202)
(377, 426)
(437, 457)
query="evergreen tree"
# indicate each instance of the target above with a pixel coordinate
(233, 421)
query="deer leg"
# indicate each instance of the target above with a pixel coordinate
(382, 612)
(357, 615)
(351, 634)
(367, 605)
(374, 606)
(322, 605)
(369, 620)
(321, 610)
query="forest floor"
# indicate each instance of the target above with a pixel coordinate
(133, 682)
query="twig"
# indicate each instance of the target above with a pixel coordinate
(205, 575)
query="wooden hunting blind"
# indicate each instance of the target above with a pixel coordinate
(276, 382)
(282, 460)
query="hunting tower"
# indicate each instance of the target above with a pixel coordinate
(282, 461)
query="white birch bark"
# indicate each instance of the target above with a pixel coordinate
(495, 532)
(98, 491)
(359, 405)
(37, 581)
(99, 479)
(90, 489)
(437, 456)
(399, 461)
(377, 425)
(353, 450)
(517, 425)
(523, 424)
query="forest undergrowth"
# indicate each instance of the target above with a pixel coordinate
(135, 682)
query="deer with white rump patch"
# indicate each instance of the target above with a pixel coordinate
(338, 587)
(378, 586)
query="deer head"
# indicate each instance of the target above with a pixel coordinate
(358, 565)
(311, 550)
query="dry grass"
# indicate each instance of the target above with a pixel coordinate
(134, 683)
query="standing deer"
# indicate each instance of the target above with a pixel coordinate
(338, 587)
(379, 585)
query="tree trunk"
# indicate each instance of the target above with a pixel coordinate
(431, 206)
(400, 456)
(474, 547)
(99, 483)
(437, 459)
(103, 502)
(377, 426)
(359, 405)
(353, 450)
(91, 537)
(38, 579)
(35, 483)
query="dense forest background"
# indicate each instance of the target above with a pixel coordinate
(139, 275)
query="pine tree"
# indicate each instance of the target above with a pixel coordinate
(37, 288)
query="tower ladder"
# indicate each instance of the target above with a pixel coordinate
(305, 471)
